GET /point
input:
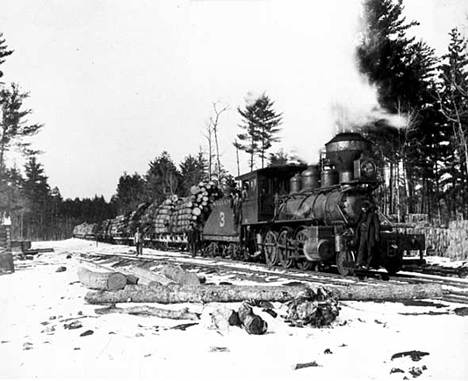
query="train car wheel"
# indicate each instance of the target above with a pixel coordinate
(271, 252)
(284, 247)
(301, 237)
(345, 262)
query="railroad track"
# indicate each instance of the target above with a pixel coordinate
(455, 289)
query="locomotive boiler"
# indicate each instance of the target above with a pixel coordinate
(305, 216)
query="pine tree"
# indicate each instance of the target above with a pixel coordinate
(36, 191)
(402, 70)
(261, 127)
(131, 191)
(162, 178)
(193, 170)
(14, 128)
(35, 186)
(4, 52)
(452, 91)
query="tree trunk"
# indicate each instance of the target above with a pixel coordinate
(217, 293)
(110, 281)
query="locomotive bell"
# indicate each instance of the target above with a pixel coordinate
(343, 149)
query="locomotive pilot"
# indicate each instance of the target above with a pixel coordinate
(366, 235)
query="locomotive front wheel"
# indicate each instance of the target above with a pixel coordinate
(345, 262)
(303, 264)
(284, 247)
(271, 252)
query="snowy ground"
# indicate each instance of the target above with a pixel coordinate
(37, 303)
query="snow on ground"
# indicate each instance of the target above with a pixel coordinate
(37, 303)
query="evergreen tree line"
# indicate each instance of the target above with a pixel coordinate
(425, 162)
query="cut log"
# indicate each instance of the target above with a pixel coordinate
(388, 292)
(183, 314)
(148, 276)
(253, 324)
(230, 293)
(110, 281)
(180, 276)
(131, 278)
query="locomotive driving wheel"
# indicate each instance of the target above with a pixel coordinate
(271, 252)
(345, 262)
(284, 248)
(301, 238)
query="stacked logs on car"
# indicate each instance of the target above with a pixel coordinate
(83, 230)
(117, 226)
(174, 215)
(202, 198)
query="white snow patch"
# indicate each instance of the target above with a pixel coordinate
(36, 300)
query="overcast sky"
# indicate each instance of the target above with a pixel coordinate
(115, 82)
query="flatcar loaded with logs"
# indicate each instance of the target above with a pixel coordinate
(292, 216)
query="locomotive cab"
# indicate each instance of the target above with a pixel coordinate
(260, 189)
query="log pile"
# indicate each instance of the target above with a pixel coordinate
(183, 215)
(451, 242)
(83, 230)
(174, 215)
(162, 218)
(134, 219)
(117, 226)
(437, 239)
(147, 219)
(458, 238)
(102, 228)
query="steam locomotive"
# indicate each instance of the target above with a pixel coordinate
(305, 216)
(298, 215)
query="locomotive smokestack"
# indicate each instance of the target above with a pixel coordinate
(342, 150)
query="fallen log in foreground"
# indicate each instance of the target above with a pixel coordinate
(111, 281)
(231, 293)
(183, 314)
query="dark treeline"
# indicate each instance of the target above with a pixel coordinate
(424, 158)
(38, 212)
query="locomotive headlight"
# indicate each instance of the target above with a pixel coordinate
(368, 169)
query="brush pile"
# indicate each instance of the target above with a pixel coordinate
(314, 308)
